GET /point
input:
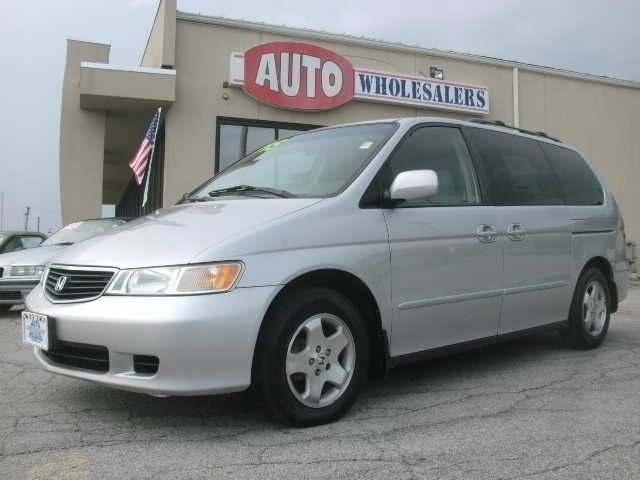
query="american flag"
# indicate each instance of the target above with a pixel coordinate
(141, 159)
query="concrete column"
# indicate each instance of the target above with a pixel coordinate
(81, 139)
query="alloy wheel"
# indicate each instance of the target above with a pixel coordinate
(320, 361)
(594, 308)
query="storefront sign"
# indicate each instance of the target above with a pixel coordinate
(298, 76)
(302, 76)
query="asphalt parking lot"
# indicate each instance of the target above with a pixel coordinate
(526, 409)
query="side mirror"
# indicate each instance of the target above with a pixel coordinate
(414, 184)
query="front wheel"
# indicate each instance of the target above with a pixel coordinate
(312, 356)
(590, 310)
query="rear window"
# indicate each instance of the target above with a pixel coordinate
(580, 185)
(30, 242)
(514, 169)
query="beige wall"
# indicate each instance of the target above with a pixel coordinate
(81, 139)
(160, 48)
(105, 113)
(202, 63)
(600, 120)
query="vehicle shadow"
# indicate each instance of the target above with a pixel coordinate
(459, 371)
(470, 368)
(246, 411)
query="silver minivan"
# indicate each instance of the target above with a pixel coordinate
(335, 255)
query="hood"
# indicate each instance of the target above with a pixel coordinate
(175, 235)
(30, 256)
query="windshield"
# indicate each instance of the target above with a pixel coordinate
(78, 231)
(2, 238)
(315, 164)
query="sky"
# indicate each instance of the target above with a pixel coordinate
(594, 36)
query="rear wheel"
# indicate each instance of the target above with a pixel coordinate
(590, 310)
(312, 357)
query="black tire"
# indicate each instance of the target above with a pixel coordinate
(5, 308)
(578, 336)
(269, 371)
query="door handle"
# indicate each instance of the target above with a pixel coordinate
(515, 232)
(486, 234)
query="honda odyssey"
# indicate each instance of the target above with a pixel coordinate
(337, 254)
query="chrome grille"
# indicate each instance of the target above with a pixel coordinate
(80, 284)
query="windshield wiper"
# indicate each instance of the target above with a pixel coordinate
(193, 198)
(251, 189)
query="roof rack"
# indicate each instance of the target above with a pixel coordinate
(500, 123)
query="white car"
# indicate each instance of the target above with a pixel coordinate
(20, 270)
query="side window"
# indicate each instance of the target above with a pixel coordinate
(515, 169)
(13, 244)
(30, 242)
(443, 150)
(580, 185)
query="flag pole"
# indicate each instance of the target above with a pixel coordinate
(145, 197)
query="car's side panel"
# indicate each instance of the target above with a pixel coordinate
(595, 233)
(446, 283)
(326, 236)
(537, 267)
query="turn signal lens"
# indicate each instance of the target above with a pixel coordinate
(215, 278)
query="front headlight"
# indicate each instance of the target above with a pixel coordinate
(186, 280)
(26, 271)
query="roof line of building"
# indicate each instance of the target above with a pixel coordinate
(89, 42)
(127, 68)
(395, 46)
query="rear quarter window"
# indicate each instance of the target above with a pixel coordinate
(579, 183)
(514, 169)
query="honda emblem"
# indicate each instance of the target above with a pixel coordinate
(62, 281)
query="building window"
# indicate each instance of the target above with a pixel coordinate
(236, 138)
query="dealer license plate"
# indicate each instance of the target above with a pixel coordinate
(35, 330)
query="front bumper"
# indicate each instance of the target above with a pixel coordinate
(204, 343)
(14, 291)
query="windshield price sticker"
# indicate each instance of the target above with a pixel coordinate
(271, 146)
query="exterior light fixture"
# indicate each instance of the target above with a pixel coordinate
(436, 73)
